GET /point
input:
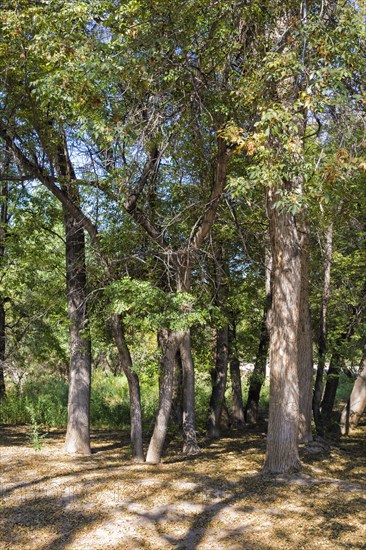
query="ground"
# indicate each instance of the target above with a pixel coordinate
(216, 500)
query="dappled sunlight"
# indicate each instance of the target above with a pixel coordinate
(216, 499)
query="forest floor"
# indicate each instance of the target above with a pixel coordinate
(215, 500)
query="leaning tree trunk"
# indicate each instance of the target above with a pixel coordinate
(219, 375)
(322, 341)
(305, 339)
(78, 423)
(190, 446)
(356, 404)
(259, 373)
(171, 342)
(237, 409)
(133, 388)
(283, 425)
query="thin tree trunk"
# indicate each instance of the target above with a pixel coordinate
(133, 388)
(322, 341)
(237, 408)
(356, 404)
(190, 446)
(177, 399)
(259, 373)
(283, 426)
(305, 340)
(172, 341)
(78, 423)
(331, 387)
(219, 375)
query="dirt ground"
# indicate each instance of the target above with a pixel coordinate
(215, 500)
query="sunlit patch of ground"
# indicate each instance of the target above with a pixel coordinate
(215, 500)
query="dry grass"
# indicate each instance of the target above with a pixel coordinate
(213, 501)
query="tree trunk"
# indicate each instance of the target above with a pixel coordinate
(171, 343)
(190, 446)
(237, 409)
(356, 404)
(3, 234)
(177, 399)
(322, 341)
(2, 350)
(133, 388)
(259, 373)
(305, 339)
(78, 423)
(283, 426)
(78, 409)
(219, 375)
(331, 387)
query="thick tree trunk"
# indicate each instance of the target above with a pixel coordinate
(2, 350)
(78, 423)
(190, 446)
(305, 340)
(283, 426)
(78, 409)
(219, 375)
(133, 388)
(3, 234)
(237, 409)
(171, 343)
(322, 341)
(259, 373)
(356, 404)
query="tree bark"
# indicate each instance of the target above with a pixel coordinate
(283, 426)
(3, 234)
(356, 404)
(78, 423)
(133, 388)
(237, 408)
(305, 339)
(322, 341)
(190, 446)
(219, 375)
(331, 387)
(172, 341)
(259, 373)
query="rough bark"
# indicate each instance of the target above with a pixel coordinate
(305, 340)
(237, 408)
(283, 426)
(2, 350)
(78, 422)
(172, 341)
(322, 340)
(3, 233)
(133, 388)
(219, 375)
(356, 404)
(190, 446)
